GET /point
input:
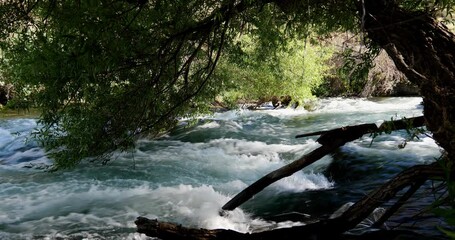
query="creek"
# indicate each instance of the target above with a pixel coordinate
(187, 175)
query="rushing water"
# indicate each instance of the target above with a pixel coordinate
(186, 176)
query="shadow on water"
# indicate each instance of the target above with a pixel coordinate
(188, 174)
(355, 174)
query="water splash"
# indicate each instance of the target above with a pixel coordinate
(188, 175)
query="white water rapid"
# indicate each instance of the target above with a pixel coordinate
(186, 176)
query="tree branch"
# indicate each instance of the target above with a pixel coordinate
(368, 128)
(330, 140)
(390, 211)
(324, 229)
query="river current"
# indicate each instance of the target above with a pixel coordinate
(187, 175)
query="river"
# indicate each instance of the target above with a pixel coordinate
(187, 175)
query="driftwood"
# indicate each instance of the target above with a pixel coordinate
(366, 128)
(330, 140)
(391, 210)
(164, 230)
(324, 229)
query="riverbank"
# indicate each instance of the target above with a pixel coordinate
(7, 113)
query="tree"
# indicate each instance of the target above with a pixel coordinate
(87, 57)
(294, 70)
(423, 49)
(108, 71)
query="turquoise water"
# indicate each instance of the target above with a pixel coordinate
(187, 175)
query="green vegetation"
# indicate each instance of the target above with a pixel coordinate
(295, 70)
(15, 113)
(105, 72)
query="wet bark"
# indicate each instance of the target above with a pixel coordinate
(424, 50)
(324, 229)
(6, 93)
(165, 230)
(397, 205)
(330, 140)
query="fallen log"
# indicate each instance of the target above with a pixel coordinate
(367, 128)
(222, 234)
(278, 174)
(323, 229)
(330, 141)
(397, 205)
(415, 175)
(171, 231)
(165, 230)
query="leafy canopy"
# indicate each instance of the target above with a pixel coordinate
(294, 70)
(108, 71)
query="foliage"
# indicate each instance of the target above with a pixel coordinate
(294, 70)
(106, 72)
(355, 69)
(412, 132)
(352, 63)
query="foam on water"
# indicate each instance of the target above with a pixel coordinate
(417, 151)
(299, 182)
(63, 209)
(76, 203)
(198, 207)
(235, 153)
(210, 125)
(230, 115)
(331, 105)
(285, 112)
(185, 177)
(17, 148)
(256, 114)
(235, 161)
(336, 105)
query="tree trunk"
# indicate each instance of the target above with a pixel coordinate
(424, 50)
(330, 140)
(324, 229)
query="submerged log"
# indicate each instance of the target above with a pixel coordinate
(165, 230)
(363, 129)
(278, 174)
(324, 229)
(397, 205)
(330, 140)
(414, 175)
